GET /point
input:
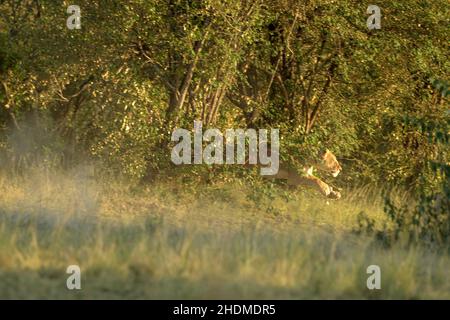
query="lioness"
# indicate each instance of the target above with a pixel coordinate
(327, 162)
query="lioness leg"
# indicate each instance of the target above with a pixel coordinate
(316, 183)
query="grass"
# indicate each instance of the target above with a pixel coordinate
(170, 240)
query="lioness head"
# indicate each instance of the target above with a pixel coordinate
(329, 163)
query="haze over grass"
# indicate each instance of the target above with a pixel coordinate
(171, 241)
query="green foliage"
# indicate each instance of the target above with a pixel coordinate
(428, 219)
(114, 90)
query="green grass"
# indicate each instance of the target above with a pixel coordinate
(225, 241)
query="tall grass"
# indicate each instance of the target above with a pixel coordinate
(171, 241)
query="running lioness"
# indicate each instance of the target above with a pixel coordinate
(327, 162)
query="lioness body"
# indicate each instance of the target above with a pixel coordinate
(327, 163)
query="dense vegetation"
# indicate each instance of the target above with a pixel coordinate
(114, 89)
(111, 93)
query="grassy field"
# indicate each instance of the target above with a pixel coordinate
(225, 241)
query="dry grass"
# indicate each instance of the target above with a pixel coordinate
(172, 241)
